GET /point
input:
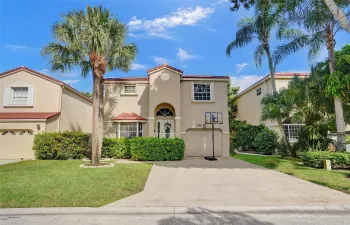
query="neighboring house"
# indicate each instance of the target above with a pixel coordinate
(168, 104)
(248, 102)
(31, 103)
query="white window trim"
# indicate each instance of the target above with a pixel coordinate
(132, 94)
(212, 95)
(8, 94)
(130, 121)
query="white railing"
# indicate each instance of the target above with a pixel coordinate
(164, 135)
(292, 131)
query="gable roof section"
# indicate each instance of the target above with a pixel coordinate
(27, 115)
(164, 66)
(277, 75)
(36, 73)
(129, 116)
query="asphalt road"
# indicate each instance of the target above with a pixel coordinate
(267, 218)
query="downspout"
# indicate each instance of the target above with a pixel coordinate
(60, 108)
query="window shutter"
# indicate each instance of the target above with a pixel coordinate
(212, 94)
(7, 96)
(192, 91)
(30, 101)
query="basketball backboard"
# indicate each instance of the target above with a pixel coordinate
(213, 118)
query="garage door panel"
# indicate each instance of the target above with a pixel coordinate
(16, 144)
(199, 143)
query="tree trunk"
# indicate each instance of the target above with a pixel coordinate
(96, 119)
(339, 14)
(338, 107)
(274, 90)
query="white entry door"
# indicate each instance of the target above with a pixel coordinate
(165, 128)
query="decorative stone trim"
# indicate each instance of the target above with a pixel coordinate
(104, 166)
(177, 118)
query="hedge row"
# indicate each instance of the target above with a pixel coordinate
(257, 138)
(316, 158)
(75, 145)
(66, 145)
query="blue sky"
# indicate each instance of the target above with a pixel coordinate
(191, 35)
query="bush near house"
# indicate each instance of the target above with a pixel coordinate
(66, 145)
(157, 149)
(347, 139)
(116, 148)
(315, 159)
(253, 138)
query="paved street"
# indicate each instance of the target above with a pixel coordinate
(226, 182)
(192, 217)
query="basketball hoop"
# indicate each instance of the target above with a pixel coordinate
(213, 118)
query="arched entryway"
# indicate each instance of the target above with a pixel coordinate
(164, 124)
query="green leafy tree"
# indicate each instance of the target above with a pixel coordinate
(267, 17)
(321, 27)
(87, 94)
(94, 41)
(231, 93)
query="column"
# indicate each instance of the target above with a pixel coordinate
(178, 127)
(151, 126)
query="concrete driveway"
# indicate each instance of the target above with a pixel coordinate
(8, 161)
(227, 182)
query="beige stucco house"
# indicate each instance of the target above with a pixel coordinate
(167, 103)
(248, 101)
(30, 103)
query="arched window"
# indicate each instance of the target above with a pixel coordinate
(165, 112)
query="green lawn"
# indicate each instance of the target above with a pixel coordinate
(338, 180)
(64, 184)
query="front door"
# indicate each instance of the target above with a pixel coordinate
(165, 128)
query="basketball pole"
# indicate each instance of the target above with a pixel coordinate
(212, 135)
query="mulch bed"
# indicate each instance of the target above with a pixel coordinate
(98, 164)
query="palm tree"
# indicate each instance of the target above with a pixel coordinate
(322, 26)
(277, 106)
(94, 41)
(267, 17)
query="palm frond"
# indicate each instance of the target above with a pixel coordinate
(292, 47)
(244, 36)
(259, 55)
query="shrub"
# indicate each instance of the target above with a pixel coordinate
(316, 158)
(313, 137)
(157, 149)
(66, 145)
(244, 135)
(265, 142)
(116, 148)
(347, 139)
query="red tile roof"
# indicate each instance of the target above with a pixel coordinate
(44, 76)
(206, 76)
(127, 79)
(291, 74)
(27, 115)
(129, 116)
(164, 66)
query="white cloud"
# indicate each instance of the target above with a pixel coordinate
(240, 67)
(244, 81)
(71, 82)
(160, 60)
(16, 47)
(184, 55)
(136, 66)
(159, 27)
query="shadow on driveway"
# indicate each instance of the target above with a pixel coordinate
(206, 217)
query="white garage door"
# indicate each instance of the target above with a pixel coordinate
(199, 142)
(16, 144)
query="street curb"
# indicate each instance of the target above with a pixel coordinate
(176, 210)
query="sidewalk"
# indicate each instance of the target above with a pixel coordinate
(340, 209)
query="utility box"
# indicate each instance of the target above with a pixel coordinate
(327, 165)
(348, 148)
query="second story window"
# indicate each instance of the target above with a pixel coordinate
(202, 92)
(129, 89)
(258, 91)
(19, 96)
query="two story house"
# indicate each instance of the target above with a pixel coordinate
(167, 103)
(30, 103)
(248, 102)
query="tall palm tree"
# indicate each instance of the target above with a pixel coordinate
(322, 26)
(267, 17)
(94, 41)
